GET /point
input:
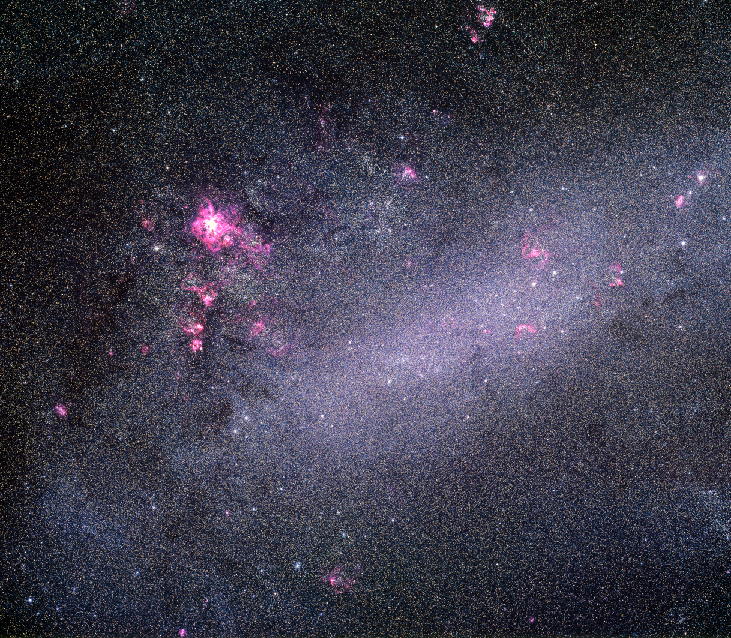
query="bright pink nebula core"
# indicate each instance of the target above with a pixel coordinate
(223, 229)
(60, 410)
(214, 229)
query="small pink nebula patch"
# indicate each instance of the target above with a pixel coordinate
(205, 291)
(532, 251)
(194, 328)
(271, 337)
(60, 410)
(616, 271)
(193, 324)
(257, 328)
(524, 329)
(145, 349)
(196, 345)
(486, 16)
(340, 578)
(182, 633)
(473, 35)
(679, 201)
(406, 175)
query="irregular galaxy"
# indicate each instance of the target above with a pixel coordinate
(366, 320)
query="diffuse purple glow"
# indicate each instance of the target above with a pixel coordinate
(364, 384)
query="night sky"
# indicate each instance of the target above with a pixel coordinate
(365, 318)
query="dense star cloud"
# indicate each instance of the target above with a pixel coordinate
(365, 319)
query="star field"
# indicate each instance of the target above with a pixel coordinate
(365, 319)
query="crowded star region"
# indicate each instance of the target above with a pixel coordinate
(366, 319)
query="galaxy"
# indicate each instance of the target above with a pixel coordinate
(365, 319)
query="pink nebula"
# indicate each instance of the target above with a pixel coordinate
(486, 16)
(214, 229)
(531, 250)
(524, 329)
(340, 578)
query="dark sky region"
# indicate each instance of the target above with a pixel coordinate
(365, 318)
